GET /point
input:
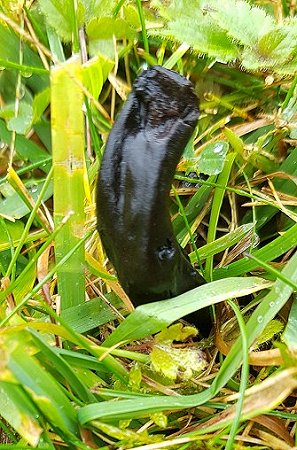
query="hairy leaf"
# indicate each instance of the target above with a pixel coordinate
(241, 21)
(176, 8)
(231, 30)
(202, 36)
(59, 16)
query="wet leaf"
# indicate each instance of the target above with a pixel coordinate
(22, 123)
(213, 157)
(290, 334)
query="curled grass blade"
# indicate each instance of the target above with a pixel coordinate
(268, 253)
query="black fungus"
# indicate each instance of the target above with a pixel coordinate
(136, 173)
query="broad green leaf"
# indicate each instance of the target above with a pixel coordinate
(135, 378)
(99, 8)
(102, 47)
(276, 46)
(132, 16)
(174, 8)
(212, 158)
(88, 315)
(92, 76)
(229, 30)
(160, 419)
(9, 49)
(176, 332)
(173, 362)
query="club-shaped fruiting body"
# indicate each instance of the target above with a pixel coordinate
(137, 169)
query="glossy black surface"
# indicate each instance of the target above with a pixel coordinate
(135, 178)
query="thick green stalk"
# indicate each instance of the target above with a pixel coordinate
(68, 160)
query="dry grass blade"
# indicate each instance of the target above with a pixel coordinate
(258, 399)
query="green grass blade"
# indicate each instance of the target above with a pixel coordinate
(222, 243)
(20, 412)
(151, 318)
(62, 368)
(244, 376)
(290, 333)
(44, 389)
(263, 314)
(215, 211)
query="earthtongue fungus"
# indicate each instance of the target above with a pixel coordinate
(137, 169)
